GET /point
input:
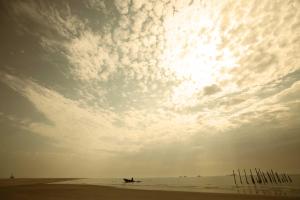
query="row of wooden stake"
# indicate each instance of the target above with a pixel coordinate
(270, 177)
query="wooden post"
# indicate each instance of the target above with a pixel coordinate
(278, 178)
(270, 178)
(240, 176)
(289, 178)
(234, 177)
(264, 177)
(258, 177)
(252, 178)
(246, 177)
(273, 176)
(284, 179)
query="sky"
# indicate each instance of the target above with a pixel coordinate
(146, 88)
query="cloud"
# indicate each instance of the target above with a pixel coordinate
(147, 44)
(122, 6)
(260, 42)
(97, 5)
(71, 122)
(290, 94)
(74, 124)
(90, 57)
(49, 17)
(209, 90)
(147, 72)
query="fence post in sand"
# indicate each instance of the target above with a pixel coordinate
(289, 178)
(263, 174)
(246, 177)
(270, 178)
(258, 177)
(278, 178)
(234, 177)
(252, 178)
(273, 176)
(283, 178)
(240, 176)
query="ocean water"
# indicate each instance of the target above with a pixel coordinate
(211, 184)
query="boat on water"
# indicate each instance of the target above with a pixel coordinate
(130, 180)
(12, 176)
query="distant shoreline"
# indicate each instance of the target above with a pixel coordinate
(31, 181)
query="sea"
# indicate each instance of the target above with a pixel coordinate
(209, 184)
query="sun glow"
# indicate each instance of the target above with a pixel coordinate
(192, 51)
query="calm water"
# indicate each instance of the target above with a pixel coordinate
(214, 184)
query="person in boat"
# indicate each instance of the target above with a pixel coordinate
(131, 180)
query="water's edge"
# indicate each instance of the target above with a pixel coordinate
(220, 184)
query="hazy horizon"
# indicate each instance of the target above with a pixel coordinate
(162, 88)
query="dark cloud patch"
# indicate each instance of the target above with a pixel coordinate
(23, 53)
(14, 104)
(22, 152)
(232, 101)
(254, 145)
(16, 139)
(212, 89)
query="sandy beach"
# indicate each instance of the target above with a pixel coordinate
(33, 189)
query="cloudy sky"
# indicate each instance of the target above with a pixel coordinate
(148, 88)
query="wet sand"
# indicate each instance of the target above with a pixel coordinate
(33, 189)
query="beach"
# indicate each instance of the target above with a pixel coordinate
(34, 189)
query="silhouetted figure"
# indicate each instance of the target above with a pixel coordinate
(252, 178)
(240, 176)
(234, 177)
(258, 177)
(246, 177)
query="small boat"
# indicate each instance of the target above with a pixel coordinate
(12, 176)
(130, 180)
